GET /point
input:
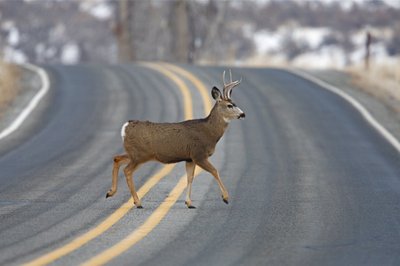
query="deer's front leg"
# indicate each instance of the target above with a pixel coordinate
(118, 160)
(128, 171)
(190, 166)
(206, 165)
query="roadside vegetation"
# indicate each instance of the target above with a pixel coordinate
(9, 84)
(382, 81)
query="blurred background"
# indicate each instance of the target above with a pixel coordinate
(304, 33)
(359, 37)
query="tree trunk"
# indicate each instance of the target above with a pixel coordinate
(368, 40)
(180, 31)
(124, 33)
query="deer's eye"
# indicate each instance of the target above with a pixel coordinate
(230, 106)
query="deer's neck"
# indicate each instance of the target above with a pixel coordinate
(216, 124)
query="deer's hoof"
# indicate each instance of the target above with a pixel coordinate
(109, 195)
(139, 207)
(188, 203)
(225, 200)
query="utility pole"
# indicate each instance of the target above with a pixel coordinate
(123, 31)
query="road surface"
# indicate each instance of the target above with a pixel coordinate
(310, 181)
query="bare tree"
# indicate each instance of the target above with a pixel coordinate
(368, 39)
(180, 31)
(215, 18)
(123, 31)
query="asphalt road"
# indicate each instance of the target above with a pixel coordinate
(310, 182)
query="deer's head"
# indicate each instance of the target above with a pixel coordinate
(224, 104)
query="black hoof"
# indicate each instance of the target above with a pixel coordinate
(139, 207)
(108, 195)
(191, 207)
(226, 201)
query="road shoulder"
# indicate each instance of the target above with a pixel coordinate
(30, 85)
(26, 114)
(385, 115)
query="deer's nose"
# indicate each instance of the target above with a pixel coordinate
(242, 115)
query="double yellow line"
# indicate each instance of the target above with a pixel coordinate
(160, 212)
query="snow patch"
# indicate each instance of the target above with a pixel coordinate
(97, 8)
(13, 37)
(267, 41)
(312, 36)
(327, 57)
(70, 54)
(12, 55)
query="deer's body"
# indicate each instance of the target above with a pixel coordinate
(189, 140)
(192, 141)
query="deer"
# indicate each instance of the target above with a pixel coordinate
(192, 141)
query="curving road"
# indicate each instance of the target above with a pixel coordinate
(310, 181)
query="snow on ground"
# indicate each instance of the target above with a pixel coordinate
(327, 57)
(346, 4)
(13, 55)
(267, 41)
(313, 36)
(270, 44)
(70, 54)
(97, 8)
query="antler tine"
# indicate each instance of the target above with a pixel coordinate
(223, 78)
(228, 87)
(238, 81)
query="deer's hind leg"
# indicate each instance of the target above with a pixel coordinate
(206, 165)
(128, 171)
(190, 166)
(118, 161)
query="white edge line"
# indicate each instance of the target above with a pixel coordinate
(33, 102)
(364, 112)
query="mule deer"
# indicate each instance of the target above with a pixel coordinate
(192, 141)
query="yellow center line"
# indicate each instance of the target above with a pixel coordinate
(103, 226)
(143, 230)
(156, 217)
(112, 219)
(204, 92)
(163, 209)
(187, 104)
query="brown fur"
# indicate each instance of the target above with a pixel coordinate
(190, 140)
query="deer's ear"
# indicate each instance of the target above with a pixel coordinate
(216, 93)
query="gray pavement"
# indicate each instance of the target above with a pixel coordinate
(311, 183)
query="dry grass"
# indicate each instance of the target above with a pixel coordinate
(381, 80)
(9, 84)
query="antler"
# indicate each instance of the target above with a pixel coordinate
(227, 91)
